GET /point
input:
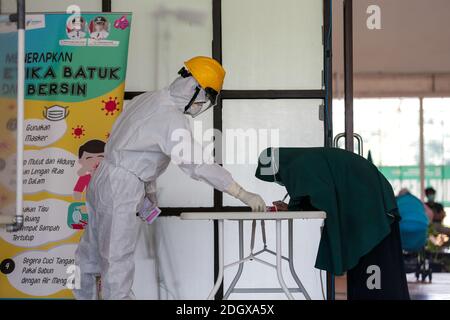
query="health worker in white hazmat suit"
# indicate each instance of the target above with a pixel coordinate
(139, 149)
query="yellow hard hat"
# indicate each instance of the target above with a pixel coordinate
(208, 72)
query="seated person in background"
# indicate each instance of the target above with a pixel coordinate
(438, 218)
(428, 210)
(414, 223)
(430, 193)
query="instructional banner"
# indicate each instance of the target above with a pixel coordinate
(75, 79)
(437, 177)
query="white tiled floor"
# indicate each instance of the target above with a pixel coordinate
(438, 289)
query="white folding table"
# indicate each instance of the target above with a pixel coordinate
(290, 216)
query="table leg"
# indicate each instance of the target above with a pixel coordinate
(263, 231)
(241, 265)
(221, 263)
(252, 242)
(279, 269)
(291, 259)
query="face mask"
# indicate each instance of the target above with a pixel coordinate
(431, 197)
(55, 113)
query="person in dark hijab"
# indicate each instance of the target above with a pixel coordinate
(361, 229)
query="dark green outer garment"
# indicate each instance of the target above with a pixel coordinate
(358, 200)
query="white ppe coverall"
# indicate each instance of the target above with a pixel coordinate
(139, 150)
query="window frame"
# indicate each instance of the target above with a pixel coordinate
(325, 94)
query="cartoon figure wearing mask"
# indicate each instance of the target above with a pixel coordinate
(98, 28)
(139, 149)
(76, 28)
(90, 154)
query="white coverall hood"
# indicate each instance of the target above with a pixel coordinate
(182, 90)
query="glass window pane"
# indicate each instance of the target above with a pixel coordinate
(272, 44)
(389, 127)
(436, 112)
(250, 126)
(437, 131)
(61, 5)
(8, 6)
(164, 34)
(390, 130)
(185, 258)
(307, 235)
(175, 188)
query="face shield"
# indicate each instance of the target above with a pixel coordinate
(201, 101)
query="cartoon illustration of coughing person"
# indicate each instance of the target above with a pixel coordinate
(90, 155)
